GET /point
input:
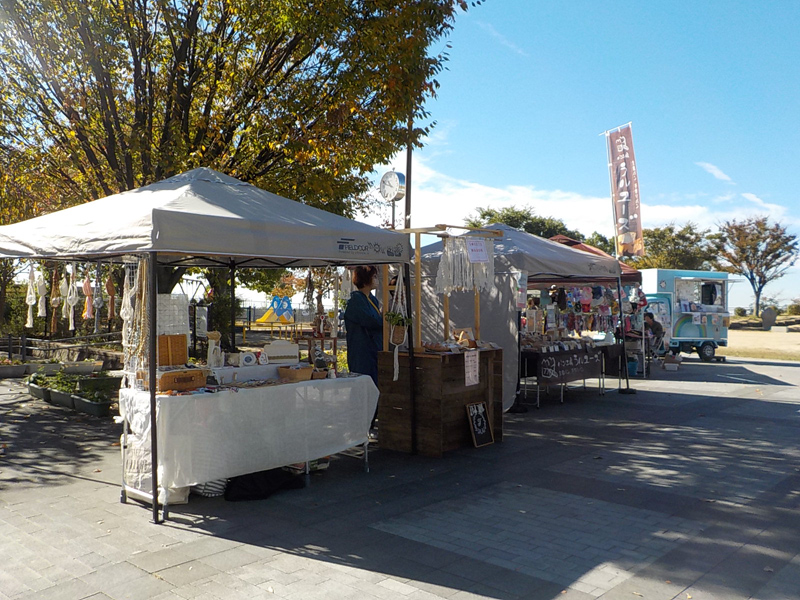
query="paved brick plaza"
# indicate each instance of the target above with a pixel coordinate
(689, 488)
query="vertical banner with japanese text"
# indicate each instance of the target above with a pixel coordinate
(625, 192)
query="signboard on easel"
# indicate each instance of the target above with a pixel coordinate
(479, 424)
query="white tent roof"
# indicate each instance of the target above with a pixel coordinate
(542, 259)
(203, 217)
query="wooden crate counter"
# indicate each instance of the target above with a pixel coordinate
(441, 401)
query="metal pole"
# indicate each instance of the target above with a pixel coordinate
(233, 304)
(407, 268)
(627, 389)
(152, 350)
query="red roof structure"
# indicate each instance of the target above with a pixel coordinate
(629, 274)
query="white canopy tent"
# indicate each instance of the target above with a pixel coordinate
(540, 259)
(199, 218)
(203, 218)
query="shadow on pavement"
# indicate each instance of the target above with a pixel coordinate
(48, 445)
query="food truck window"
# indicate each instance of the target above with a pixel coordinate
(709, 293)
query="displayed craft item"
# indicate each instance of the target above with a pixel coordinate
(73, 299)
(398, 333)
(97, 302)
(112, 293)
(41, 289)
(247, 359)
(63, 288)
(55, 293)
(483, 273)
(263, 358)
(456, 272)
(88, 305)
(30, 297)
(55, 300)
(214, 358)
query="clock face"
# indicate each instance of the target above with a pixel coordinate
(392, 186)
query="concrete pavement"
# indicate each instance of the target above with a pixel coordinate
(687, 489)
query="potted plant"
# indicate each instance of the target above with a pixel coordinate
(62, 386)
(399, 323)
(97, 402)
(101, 381)
(37, 387)
(11, 368)
(83, 366)
(47, 367)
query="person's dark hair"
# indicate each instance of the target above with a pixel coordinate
(364, 275)
(649, 314)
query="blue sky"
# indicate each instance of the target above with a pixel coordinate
(712, 90)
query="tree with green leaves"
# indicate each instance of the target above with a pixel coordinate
(598, 240)
(299, 98)
(524, 219)
(760, 251)
(673, 247)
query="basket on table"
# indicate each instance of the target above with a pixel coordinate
(296, 373)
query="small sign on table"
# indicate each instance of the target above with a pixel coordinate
(471, 368)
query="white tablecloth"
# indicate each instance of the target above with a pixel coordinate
(203, 437)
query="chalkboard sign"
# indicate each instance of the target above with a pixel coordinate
(562, 367)
(479, 424)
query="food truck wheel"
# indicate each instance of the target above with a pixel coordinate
(706, 352)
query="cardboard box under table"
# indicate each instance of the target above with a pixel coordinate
(209, 436)
(441, 400)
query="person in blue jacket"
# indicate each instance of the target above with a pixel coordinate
(364, 324)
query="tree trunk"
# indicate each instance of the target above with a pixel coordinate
(168, 278)
(3, 296)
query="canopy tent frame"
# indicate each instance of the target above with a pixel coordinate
(545, 262)
(206, 201)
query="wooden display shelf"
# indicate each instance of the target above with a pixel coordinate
(441, 400)
(311, 343)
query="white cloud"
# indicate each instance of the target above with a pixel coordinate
(714, 170)
(439, 198)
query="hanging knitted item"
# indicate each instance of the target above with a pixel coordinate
(55, 294)
(41, 289)
(88, 309)
(64, 288)
(73, 299)
(30, 297)
(483, 273)
(112, 293)
(98, 301)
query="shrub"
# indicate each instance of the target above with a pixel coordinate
(740, 311)
(793, 309)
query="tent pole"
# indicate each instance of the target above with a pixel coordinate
(416, 322)
(152, 309)
(627, 389)
(233, 304)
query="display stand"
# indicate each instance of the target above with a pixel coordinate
(562, 367)
(441, 397)
(211, 436)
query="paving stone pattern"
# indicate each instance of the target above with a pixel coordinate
(689, 488)
(586, 544)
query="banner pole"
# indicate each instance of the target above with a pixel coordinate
(611, 189)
